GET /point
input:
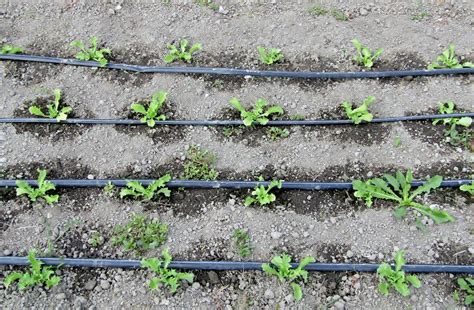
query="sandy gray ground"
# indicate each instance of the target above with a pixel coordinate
(355, 234)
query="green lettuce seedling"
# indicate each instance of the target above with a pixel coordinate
(91, 53)
(448, 60)
(33, 194)
(10, 49)
(360, 113)
(469, 188)
(150, 115)
(167, 277)
(396, 278)
(398, 188)
(259, 114)
(182, 52)
(137, 190)
(141, 233)
(466, 285)
(53, 109)
(270, 56)
(364, 56)
(38, 275)
(281, 268)
(262, 195)
(455, 137)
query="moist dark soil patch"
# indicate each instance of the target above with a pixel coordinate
(427, 132)
(79, 200)
(365, 134)
(30, 73)
(452, 253)
(159, 133)
(52, 132)
(189, 202)
(322, 204)
(65, 168)
(7, 194)
(401, 61)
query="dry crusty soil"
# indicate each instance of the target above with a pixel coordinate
(332, 226)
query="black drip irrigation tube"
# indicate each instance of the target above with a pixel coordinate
(238, 72)
(316, 122)
(231, 265)
(198, 184)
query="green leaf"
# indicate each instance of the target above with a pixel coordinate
(12, 277)
(196, 47)
(402, 288)
(414, 281)
(431, 183)
(169, 58)
(138, 108)
(464, 121)
(36, 111)
(399, 260)
(297, 293)
(383, 288)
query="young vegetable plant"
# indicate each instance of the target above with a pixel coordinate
(398, 188)
(38, 275)
(466, 285)
(243, 242)
(281, 267)
(364, 56)
(92, 53)
(165, 276)
(269, 56)
(361, 113)
(469, 188)
(396, 278)
(455, 137)
(137, 190)
(262, 195)
(140, 234)
(448, 60)
(53, 109)
(198, 164)
(34, 194)
(276, 133)
(182, 52)
(10, 49)
(259, 114)
(150, 114)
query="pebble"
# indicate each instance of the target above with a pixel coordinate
(90, 177)
(89, 286)
(213, 277)
(275, 235)
(363, 12)
(196, 286)
(7, 252)
(104, 284)
(349, 254)
(61, 296)
(269, 294)
(339, 305)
